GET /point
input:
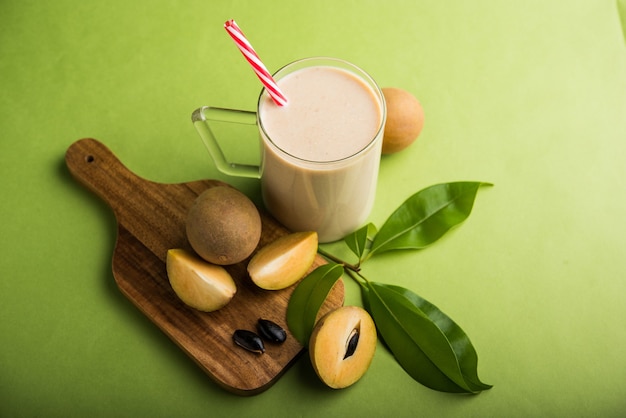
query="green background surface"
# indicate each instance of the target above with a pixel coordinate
(530, 96)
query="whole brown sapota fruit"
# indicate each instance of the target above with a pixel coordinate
(223, 225)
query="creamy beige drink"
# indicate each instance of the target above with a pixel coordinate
(321, 152)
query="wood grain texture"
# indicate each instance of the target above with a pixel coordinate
(150, 220)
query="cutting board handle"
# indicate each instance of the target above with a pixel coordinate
(99, 170)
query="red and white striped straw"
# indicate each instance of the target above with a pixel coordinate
(259, 68)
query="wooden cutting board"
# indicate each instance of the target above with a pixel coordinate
(150, 220)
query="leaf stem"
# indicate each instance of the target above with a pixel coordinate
(362, 277)
(354, 267)
(353, 275)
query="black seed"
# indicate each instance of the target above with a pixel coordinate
(249, 340)
(271, 331)
(353, 341)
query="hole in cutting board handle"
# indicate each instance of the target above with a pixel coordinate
(90, 159)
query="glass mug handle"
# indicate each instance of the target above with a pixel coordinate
(202, 118)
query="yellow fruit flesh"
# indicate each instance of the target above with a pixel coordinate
(283, 262)
(199, 284)
(328, 345)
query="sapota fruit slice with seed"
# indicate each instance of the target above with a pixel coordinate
(342, 346)
(283, 262)
(200, 284)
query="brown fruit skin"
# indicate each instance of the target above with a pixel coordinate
(405, 120)
(223, 226)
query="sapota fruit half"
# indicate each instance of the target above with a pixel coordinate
(342, 346)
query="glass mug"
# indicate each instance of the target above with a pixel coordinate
(316, 174)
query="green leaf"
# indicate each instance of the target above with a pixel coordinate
(426, 216)
(458, 340)
(307, 299)
(360, 240)
(428, 345)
